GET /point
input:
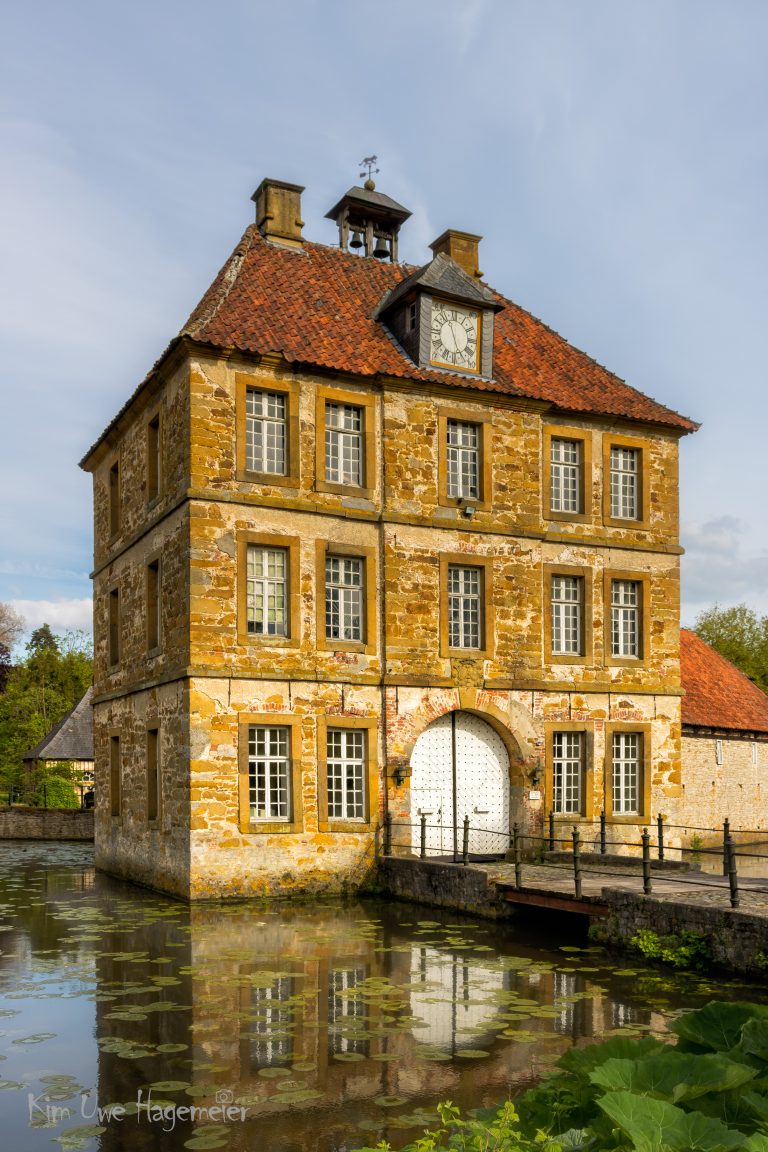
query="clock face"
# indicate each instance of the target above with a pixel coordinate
(454, 336)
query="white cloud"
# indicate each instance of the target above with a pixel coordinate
(717, 570)
(62, 615)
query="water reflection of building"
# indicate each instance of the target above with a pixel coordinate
(323, 1003)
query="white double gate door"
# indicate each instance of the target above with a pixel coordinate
(459, 768)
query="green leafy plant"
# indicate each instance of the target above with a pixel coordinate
(708, 1092)
(680, 950)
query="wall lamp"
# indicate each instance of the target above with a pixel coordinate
(535, 776)
(467, 508)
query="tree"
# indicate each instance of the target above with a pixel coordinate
(11, 626)
(39, 691)
(741, 636)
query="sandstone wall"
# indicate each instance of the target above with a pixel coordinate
(46, 824)
(737, 788)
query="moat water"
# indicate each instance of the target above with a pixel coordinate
(322, 1026)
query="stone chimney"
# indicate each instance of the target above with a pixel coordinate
(462, 247)
(278, 212)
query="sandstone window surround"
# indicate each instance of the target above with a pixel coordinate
(627, 617)
(625, 482)
(114, 495)
(339, 590)
(345, 442)
(568, 774)
(628, 771)
(466, 604)
(154, 789)
(566, 473)
(267, 431)
(269, 762)
(154, 441)
(153, 595)
(259, 599)
(114, 628)
(115, 775)
(464, 455)
(567, 599)
(338, 735)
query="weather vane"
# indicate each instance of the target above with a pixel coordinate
(368, 162)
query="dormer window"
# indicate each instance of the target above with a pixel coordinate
(411, 316)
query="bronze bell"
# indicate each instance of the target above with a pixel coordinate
(356, 241)
(381, 251)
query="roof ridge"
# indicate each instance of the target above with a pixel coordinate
(226, 279)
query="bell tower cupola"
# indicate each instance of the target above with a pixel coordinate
(368, 221)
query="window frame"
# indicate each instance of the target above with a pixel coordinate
(366, 403)
(292, 546)
(644, 730)
(153, 562)
(115, 497)
(114, 627)
(368, 724)
(487, 617)
(551, 728)
(583, 437)
(295, 822)
(153, 738)
(153, 429)
(115, 768)
(368, 643)
(644, 631)
(484, 423)
(643, 448)
(290, 389)
(586, 656)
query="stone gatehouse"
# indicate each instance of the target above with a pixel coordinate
(369, 539)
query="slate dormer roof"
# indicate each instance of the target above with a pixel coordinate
(71, 738)
(717, 694)
(443, 277)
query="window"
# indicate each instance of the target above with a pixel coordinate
(344, 444)
(464, 454)
(463, 457)
(411, 315)
(345, 760)
(754, 751)
(626, 769)
(567, 772)
(271, 1022)
(153, 605)
(565, 475)
(269, 770)
(465, 607)
(266, 432)
(625, 483)
(625, 618)
(153, 458)
(153, 775)
(346, 1010)
(567, 615)
(115, 773)
(267, 591)
(114, 498)
(344, 598)
(113, 638)
(718, 752)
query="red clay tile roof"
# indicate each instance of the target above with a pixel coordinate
(315, 306)
(717, 694)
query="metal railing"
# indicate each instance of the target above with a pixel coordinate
(513, 844)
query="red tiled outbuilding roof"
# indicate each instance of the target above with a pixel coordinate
(717, 694)
(315, 305)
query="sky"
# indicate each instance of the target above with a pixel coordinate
(612, 154)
